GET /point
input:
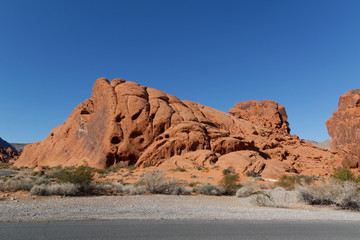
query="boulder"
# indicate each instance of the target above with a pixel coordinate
(267, 114)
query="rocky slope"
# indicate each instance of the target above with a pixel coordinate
(344, 127)
(5, 144)
(125, 123)
(7, 151)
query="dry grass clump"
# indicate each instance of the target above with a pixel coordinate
(343, 194)
(156, 183)
(134, 190)
(209, 189)
(130, 189)
(21, 181)
(63, 189)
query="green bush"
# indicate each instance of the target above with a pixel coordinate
(344, 174)
(179, 169)
(289, 182)
(229, 170)
(131, 167)
(81, 176)
(148, 165)
(209, 189)
(252, 174)
(230, 181)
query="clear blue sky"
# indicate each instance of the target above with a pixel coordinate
(302, 54)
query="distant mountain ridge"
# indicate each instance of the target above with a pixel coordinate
(324, 144)
(6, 145)
(19, 146)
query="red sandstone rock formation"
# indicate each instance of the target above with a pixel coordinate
(7, 154)
(344, 127)
(267, 114)
(125, 123)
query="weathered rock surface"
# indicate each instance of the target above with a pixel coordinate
(267, 114)
(7, 152)
(344, 127)
(125, 123)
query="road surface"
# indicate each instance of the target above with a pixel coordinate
(182, 229)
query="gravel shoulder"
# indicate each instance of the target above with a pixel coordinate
(159, 207)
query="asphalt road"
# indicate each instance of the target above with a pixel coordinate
(181, 229)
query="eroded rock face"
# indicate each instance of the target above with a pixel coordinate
(267, 114)
(344, 127)
(7, 152)
(125, 123)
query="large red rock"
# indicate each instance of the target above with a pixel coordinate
(344, 127)
(268, 114)
(125, 123)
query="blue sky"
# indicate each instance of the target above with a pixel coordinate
(302, 54)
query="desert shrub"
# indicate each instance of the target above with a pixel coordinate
(264, 199)
(118, 187)
(179, 169)
(134, 190)
(229, 170)
(131, 167)
(230, 181)
(344, 174)
(156, 183)
(248, 188)
(7, 165)
(116, 167)
(343, 194)
(64, 189)
(148, 165)
(289, 182)
(193, 184)
(101, 188)
(2, 184)
(252, 174)
(19, 183)
(195, 176)
(42, 180)
(81, 176)
(209, 189)
(101, 171)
